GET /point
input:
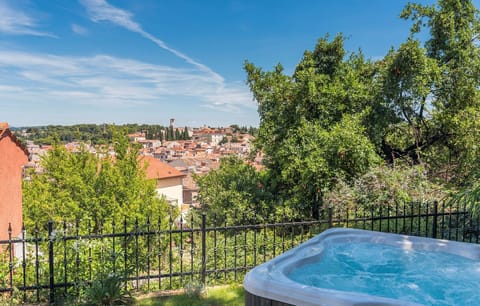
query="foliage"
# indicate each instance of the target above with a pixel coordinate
(454, 28)
(235, 189)
(416, 106)
(96, 188)
(312, 123)
(385, 187)
(108, 290)
(96, 134)
(468, 197)
(314, 157)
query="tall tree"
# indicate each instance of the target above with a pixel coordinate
(311, 123)
(454, 29)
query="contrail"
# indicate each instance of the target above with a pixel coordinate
(101, 10)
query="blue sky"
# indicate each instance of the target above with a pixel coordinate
(145, 61)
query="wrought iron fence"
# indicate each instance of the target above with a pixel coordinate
(61, 260)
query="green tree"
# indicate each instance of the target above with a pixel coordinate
(407, 79)
(236, 188)
(310, 130)
(83, 186)
(454, 32)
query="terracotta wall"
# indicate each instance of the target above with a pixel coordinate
(12, 158)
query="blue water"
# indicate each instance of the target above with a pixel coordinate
(429, 278)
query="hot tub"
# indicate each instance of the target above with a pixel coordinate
(358, 267)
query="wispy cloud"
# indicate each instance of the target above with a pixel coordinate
(77, 29)
(16, 22)
(101, 10)
(110, 81)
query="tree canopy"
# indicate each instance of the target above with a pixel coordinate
(96, 188)
(340, 115)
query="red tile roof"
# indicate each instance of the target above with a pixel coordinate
(159, 170)
(5, 132)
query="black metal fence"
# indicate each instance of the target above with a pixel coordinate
(51, 264)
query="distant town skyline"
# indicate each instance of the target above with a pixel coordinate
(98, 61)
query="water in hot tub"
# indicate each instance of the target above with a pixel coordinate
(425, 277)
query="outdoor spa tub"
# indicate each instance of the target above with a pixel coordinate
(358, 267)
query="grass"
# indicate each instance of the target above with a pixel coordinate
(233, 295)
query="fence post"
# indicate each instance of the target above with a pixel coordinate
(435, 219)
(204, 249)
(50, 264)
(10, 255)
(330, 217)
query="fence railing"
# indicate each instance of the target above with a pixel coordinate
(61, 260)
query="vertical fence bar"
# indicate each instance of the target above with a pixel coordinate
(396, 217)
(215, 250)
(90, 259)
(114, 256)
(10, 260)
(192, 250)
(330, 217)
(450, 224)
(426, 218)
(476, 226)
(457, 213)
(99, 230)
(274, 245)
(372, 218)
(347, 218)
(245, 232)
(380, 219)
(225, 249)
(148, 253)
(65, 262)
(442, 231)
(435, 219)
(180, 250)
(159, 228)
(355, 217)
(136, 233)
(235, 247)
(204, 248)
(364, 218)
(292, 230)
(388, 219)
(419, 229)
(464, 210)
(125, 255)
(24, 263)
(77, 259)
(284, 229)
(412, 211)
(37, 265)
(265, 241)
(170, 250)
(255, 240)
(51, 286)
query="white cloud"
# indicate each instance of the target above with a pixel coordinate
(111, 81)
(101, 10)
(77, 29)
(16, 22)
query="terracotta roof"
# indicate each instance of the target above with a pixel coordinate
(159, 170)
(5, 131)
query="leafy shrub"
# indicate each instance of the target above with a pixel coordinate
(384, 187)
(108, 289)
